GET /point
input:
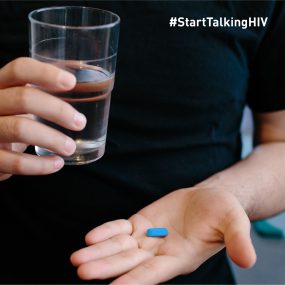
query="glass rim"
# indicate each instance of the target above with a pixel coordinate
(91, 27)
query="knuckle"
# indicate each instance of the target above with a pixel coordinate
(10, 128)
(43, 168)
(18, 128)
(50, 72)
(17, 165)
(16, 66)
(23, 97)
(61, 111)
(63, 108)
(120, 242)
(6, 129)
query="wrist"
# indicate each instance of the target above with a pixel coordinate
(222, 182)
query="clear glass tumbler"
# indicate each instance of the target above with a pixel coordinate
(83, 41)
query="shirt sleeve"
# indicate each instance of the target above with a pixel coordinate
(266, 91)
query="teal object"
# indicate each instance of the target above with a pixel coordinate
(157, 232)
(268, 230)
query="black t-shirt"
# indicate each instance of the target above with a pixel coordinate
(174, 120)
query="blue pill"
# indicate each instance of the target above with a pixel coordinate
(157, 232)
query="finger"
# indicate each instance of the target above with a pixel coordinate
(238, 242)
(20, 100)
(5, 146)
(103, 249)
(27, 164)
(16, 129)
(153, 271)
(108, 230)
(114, 265)
(27, 70)
(4, 176)
(19, 147)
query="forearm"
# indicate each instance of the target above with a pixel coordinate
(258, 181)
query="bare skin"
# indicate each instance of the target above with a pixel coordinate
(16, 132)
(196, 232)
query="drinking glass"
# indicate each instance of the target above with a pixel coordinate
(83, 41)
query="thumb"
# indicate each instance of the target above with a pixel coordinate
(238, 242)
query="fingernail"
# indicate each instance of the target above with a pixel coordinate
(58, 163)
(66, 79)
(69, 146)
(79, 119)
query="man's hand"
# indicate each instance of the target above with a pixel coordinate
(201, 221)
(16, 132)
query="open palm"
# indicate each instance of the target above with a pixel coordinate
(200, 223)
